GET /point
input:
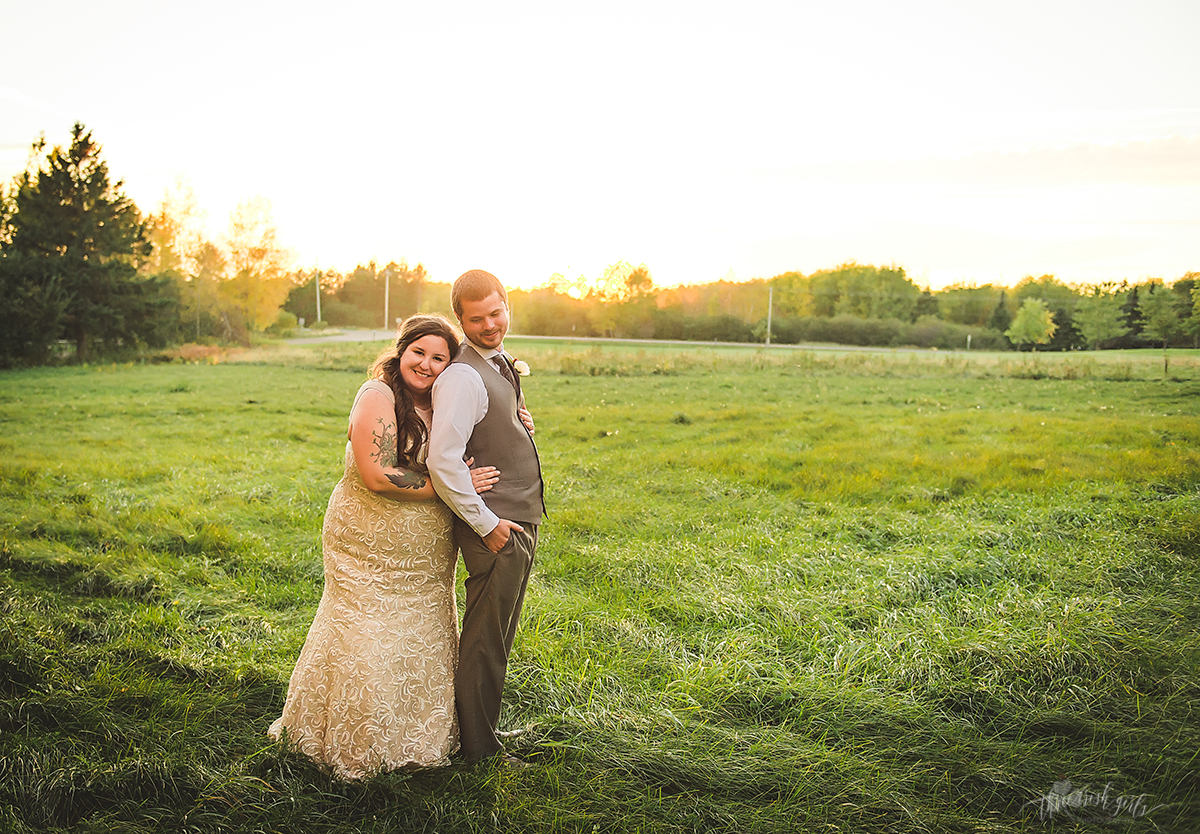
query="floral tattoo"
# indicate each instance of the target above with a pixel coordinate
(385, 444)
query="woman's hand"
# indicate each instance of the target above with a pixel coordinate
(526, 418)
(483, 477)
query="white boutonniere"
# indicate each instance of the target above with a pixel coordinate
(521, 367)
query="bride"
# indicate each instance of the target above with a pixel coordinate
(373, 688)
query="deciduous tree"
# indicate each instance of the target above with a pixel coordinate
(1100, 318)
(1033, 324)
(1160, 319)
(258, 284)
(1061, 300)
(182, 254)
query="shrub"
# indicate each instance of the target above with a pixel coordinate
(284, 323)
(927, 332)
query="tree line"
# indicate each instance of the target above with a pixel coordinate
(84, 275)
(859, 304)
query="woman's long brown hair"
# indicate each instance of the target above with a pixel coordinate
(410, 429)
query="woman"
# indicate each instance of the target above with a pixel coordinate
(373, 688)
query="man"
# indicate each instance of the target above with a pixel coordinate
(475, 402)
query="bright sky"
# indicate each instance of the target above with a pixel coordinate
(964, 141)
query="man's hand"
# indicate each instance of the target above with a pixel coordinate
(526, 418)
(495, 540)
(483, 477)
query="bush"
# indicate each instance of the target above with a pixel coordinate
(927, 332)
(285, 322)
(674, 324)
(285, 325)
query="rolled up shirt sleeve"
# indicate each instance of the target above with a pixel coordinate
(459, 403)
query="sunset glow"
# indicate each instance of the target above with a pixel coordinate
(965, 143)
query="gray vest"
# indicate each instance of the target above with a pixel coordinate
(501, 440)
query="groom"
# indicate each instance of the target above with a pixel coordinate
(475, 401)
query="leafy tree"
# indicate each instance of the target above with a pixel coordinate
(72, 247)
(849, 289)
(546, 312)
(1061, 300)
(407, 285)
(194, 265)
(1100, 318)
(965, 304)
(203, 299)
(1160, 319)
(1192, 325)
(259, 283)
(302, 297)
(792, 296)
(1033, 324)
(1185, 292)
(927, 305)
(636, 311)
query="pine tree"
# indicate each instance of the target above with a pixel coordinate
(1001, 317)
(72, 252)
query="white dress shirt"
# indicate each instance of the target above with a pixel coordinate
(460, 401)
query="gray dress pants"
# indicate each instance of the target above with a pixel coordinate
(495, 588)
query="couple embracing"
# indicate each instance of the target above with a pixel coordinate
(384, 680)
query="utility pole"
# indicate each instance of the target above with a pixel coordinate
(318, 278)
(387, 283)
(770, 304)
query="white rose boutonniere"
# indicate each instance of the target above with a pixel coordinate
(521, 367)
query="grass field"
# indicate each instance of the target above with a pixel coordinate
(778, 590)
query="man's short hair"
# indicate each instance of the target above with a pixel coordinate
(475, 285)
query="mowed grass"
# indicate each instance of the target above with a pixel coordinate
(777, 591)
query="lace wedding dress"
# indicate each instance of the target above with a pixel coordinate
(373, 688)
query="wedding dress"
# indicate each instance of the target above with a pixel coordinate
(373, 688)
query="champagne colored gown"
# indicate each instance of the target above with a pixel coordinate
(373, 688)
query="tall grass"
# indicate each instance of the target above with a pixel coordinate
(777, 590)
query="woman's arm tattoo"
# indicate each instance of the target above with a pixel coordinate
(406, 479)
(385, 444)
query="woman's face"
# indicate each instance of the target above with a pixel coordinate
(422, 361)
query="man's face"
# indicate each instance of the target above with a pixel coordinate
(485, 322)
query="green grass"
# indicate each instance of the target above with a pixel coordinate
(778, 590)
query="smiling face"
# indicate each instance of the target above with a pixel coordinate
(485, 322)
(420, 364)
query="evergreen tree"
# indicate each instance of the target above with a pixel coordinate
(1132, 311)
(1001, 317)
(71, 254)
